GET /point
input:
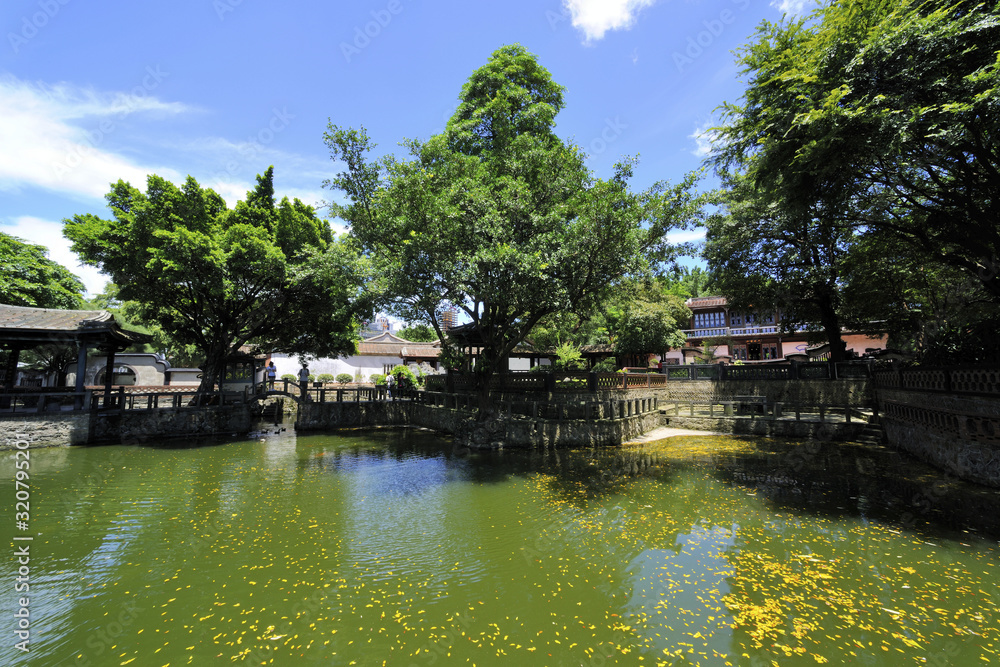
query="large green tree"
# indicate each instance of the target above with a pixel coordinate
(498, 215)
(781, 256)
(880, 117)
(29, 278)
(263, 274)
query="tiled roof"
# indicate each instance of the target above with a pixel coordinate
(39, 325)
(389, 345)
(50, 319)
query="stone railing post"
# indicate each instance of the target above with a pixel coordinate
(592, 382)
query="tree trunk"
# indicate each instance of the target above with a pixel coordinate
(484, 373)
(830, 321)
(211, 372)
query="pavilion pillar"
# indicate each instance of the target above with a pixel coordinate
(81, 372)
(10, 369)
(109, 377)
(10, 374)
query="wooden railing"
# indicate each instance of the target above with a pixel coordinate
(41, 401)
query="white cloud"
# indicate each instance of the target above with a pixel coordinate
(596, 17)
(703, 137)
(45, 145)
(49, 234)
(792, 7)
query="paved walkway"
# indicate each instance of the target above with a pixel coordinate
(662, 432)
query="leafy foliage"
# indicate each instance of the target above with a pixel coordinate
(568, 357)
(29, 278)
(404, 376)
(344, 378)
(418, 333)
(218, 279)
(649, 328)
(499, 216)
(871, 124)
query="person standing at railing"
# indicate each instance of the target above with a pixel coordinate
(272, 375)
(390, 381)
(304, 380)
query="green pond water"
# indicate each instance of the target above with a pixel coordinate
(395, 548)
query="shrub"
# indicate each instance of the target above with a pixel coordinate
(289, 377)
(568, 357)
(405, 379)
(324, 377)
(344, 378)
(605, 366)
(376, 378)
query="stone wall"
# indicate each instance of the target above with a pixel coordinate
(784, 428)
(127, 427)
(46, 430)
(349, 414)
(957, 432)
(513, 431)
(852, 392)
(139, 426)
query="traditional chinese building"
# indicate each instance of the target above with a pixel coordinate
(752, 337)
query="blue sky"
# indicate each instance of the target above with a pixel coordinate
(220, 89)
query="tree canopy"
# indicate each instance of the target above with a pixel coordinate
(498, 215)
(29, 278)
(868, 124)
(418, 333)
(261, 274)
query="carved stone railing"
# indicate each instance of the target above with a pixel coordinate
(957, 380)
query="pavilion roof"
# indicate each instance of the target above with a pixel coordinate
(37, 326)
(387, 344)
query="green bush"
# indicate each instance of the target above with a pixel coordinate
(405, 379)
(376, 378)
(344, 378)
(605, 366)
(324, 377)
(289, 377)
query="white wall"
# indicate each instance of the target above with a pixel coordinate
(368, 365)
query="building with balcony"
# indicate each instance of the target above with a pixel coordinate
(752, 337)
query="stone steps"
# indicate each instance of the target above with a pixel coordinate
(872, 435)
